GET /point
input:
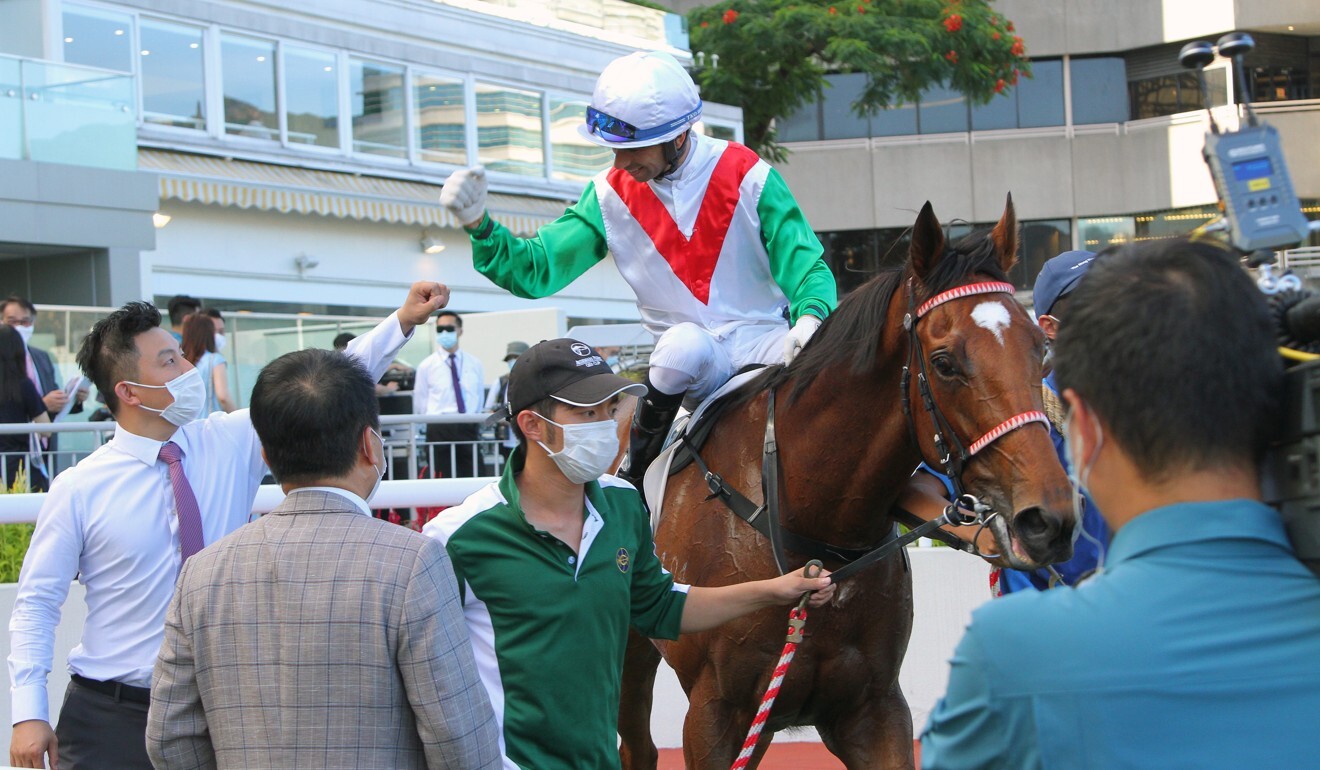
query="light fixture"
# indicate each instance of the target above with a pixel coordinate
(1291, 28)
(305, 263)
(431, 244)
(68, 40)
(145, 52)
(160, 219)
(119, 32)
(193, 45)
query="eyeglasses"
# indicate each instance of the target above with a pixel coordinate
(615, 129)
(446, 328)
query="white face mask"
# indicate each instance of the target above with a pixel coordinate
(189, 396)
(589, 448)
(380, 472)
(25, 332)
(219, 342)
(1080, 478)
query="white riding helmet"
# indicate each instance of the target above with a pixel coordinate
(641, 99)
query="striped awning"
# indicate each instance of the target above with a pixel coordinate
(291, 189)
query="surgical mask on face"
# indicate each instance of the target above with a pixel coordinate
(1080, 478)
(189, 396)
(219, 342)
(380, 472)
(447, 340)
(25, 332)
(589, 448)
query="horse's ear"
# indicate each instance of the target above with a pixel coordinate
(1005, 236)
(927, 242)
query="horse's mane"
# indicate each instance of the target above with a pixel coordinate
(852, 333)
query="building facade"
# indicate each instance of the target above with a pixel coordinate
(288, 156)
(1101, 146)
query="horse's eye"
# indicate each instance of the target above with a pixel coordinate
(944, 365)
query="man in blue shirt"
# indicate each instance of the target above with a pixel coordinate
(1054, 285)
(1196, 645)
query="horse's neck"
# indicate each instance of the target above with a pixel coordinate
(845, 445)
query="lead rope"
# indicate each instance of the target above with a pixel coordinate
(797, 621)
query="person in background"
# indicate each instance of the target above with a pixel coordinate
(1195, 646)
(342, 339)
(450, 381)
(124, 520)
(318, 637)
(180, 307)
(20, 314)
(611, 355)
(219, 320)
(497, 395)
(19, 402)
(200, 349)
(1055, 283)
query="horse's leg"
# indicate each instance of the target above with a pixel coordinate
(714, 729)
(636, 748)
(878, 734)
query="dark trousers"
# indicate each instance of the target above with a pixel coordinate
(94, 728)
(462, 465)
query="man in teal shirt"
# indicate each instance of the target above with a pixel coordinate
(1196, 646)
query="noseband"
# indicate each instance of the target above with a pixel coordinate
(953, 456)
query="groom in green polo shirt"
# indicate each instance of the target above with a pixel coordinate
(555, 561)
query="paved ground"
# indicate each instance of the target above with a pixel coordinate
(781, 756)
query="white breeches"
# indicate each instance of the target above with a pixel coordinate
(693, 360)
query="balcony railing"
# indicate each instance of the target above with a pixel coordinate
(62, 113)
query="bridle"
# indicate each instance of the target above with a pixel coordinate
(953, 457)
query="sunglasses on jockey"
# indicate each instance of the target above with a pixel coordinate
(614, 129)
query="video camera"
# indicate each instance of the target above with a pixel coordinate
(1262, 214)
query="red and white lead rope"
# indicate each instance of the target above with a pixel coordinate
(776, 681)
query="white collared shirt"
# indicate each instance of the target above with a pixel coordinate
(110, 520)
(433, 390)
(344, 493)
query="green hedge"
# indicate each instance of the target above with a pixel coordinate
(14, 539)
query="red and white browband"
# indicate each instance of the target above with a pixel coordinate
(1012, 423)
(968, 290)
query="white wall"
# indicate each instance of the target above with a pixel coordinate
(947, 585)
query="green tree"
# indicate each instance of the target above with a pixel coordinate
(771, 56)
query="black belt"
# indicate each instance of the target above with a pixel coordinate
(116, 690)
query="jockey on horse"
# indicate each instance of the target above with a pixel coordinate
(726, 270)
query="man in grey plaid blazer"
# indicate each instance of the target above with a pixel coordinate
(318, 636)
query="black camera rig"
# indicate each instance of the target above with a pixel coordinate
(1261, 215)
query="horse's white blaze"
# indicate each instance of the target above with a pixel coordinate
(993, 317)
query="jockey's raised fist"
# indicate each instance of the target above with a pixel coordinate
(464, 194)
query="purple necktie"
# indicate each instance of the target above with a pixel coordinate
(458, 384)
(185, 503)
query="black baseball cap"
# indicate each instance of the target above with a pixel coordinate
(566, 370)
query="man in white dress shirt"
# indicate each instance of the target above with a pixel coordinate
(125, 518)
(450, 381)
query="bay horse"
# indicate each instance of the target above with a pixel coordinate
(847, 451)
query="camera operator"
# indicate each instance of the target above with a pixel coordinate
(1196, 646)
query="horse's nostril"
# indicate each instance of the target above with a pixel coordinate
(1034, 527)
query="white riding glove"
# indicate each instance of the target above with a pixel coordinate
(464, 194)
(798, 336)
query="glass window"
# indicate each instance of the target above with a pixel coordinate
(247, 67)
(98, 38)
(839, 120)
(311, 95)
(571, 156)
(1040, 97)
(801, 126)
(173, 91)
(999, 113)
(895, 121)
(378, 113)
(851, 255)
(438, 121)
(1099, 90)
(1040, 241)
(1100, 233)
(509, 130)
(942, 111)
(727, 133)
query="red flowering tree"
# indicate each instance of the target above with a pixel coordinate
(774, 54)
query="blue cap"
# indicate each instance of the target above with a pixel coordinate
(1059, 276)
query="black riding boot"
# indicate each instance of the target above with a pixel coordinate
(655, 413)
